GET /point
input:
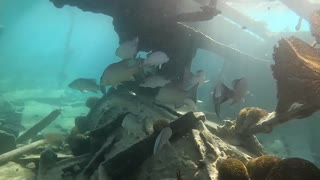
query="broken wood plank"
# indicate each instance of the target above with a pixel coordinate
(126, 162)
(4, 158)
(34, 130)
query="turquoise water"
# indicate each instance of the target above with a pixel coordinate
(37, 53)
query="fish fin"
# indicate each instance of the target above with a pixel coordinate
(83, 91)
(193, 93)
(217, 108)
(191, 104)
(226, 94)
(160, 66)
(234, 83)
(206, 81)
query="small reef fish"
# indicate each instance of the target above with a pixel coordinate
(156, 59)
(128, 49)
(173, 94)
(190, 79)
(162, 139)
(119, 72)
(83, 85)
(154, 82)
(222, 93)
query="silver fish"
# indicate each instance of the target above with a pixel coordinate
(190, 79)
(173, 94)
(119, 72)
(128, 49)
(222, 93)
(156, 59)
(154, 81)
(83, 84)
(162, 139)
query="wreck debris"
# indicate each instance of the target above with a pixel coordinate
(7, 141)
(159, 124)
(91, 101)
(79, 144)
(297, 71)
(71, 162)
(20, 151)
(34, 130)
(315, 26)
(47, 166)
(98, 158)
(206, 157)
(100, 135)
(171, 111)
(126, 162)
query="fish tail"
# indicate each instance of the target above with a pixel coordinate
(217, 108)
(226, 94)
(193, 93)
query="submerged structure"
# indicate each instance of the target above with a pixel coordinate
(128, 135)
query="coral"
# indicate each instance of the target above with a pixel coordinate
(297, 71)
(81, 123)
(233, 169)
(249, 116)
(91, 101)
(79, 144)
(294, 168)
(315, 25)
(159, 124)
(258, 168)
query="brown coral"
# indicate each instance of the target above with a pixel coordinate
(297, 71)
(159, 124)
(249, 116)
(233, 169)
(258, 168)
(315, 25)
(294, 169)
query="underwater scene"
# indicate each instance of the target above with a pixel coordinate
(159, 89)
